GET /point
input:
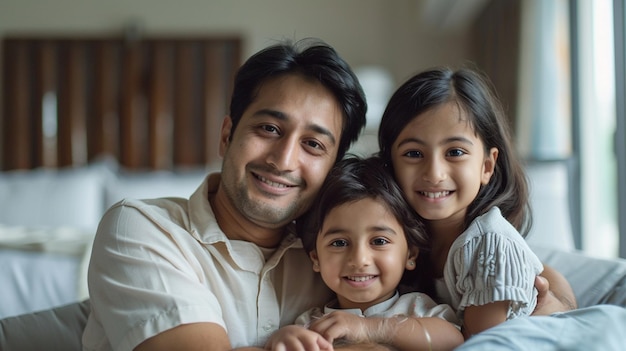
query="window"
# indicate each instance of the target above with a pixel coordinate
(596, 127)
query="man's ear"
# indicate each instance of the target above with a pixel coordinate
(411, 259)
(489, 165)
(227, 125)
(316, 261)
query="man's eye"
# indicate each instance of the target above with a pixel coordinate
(314, 144)
(339, 243)
(270, 128)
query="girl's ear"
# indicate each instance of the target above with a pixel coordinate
(489, 165)
(316, 261)
(411, 258)
(227, 125)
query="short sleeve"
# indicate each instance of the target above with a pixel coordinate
(141, 283)
(495, 267)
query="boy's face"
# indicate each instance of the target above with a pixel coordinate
(361, 253)
(277, 158)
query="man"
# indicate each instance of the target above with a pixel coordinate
(223, 269)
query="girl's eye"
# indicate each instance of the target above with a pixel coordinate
(339, 243)
(380, 241)
(456, 153)
(413, 154)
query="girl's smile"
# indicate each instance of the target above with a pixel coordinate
(441, 163)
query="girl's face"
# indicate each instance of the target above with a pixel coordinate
(361, 253)
(440, 164)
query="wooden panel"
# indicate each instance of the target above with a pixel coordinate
(132, 111)
(17, 123)
(184, 152)
(215, 99)
(44, 105)
(72, 132)
(151, 103)
(160, 109)
(497, 47)
(104, 134)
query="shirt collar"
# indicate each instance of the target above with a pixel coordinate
(374, 310)
(204, 226)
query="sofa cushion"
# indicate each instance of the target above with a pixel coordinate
(594, 280)
(55, 329)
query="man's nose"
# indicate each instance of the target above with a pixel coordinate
(285, 154)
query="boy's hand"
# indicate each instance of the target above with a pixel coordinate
(346, 326)
(297, 338)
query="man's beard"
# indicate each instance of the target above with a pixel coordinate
(260, 211)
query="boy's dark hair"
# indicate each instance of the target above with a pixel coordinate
(354, 179)
(311, 58)
(472, 93)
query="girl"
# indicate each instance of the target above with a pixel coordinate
(362, 236)
(445, 137)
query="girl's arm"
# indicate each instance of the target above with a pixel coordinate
(427, 333)
(479, 318)
(402, 333)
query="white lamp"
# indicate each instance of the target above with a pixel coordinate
(378, 86)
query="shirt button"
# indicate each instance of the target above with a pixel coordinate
(268, 327)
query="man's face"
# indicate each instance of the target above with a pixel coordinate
(282, 149)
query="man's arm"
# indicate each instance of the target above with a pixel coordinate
(191, 337)
(555, 293)
(212, 337)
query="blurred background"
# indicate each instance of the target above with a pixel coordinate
(558, 66)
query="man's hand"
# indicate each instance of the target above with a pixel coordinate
(554, 293)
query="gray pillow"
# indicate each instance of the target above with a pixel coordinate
(59, 328)
(594, 280)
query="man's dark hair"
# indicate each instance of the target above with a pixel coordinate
(310, 58)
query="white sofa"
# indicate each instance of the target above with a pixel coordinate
(48, 218)
(47, 221)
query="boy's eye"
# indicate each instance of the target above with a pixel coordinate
(380, 241)
(339, 243)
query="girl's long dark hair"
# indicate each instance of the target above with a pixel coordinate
(473, 94)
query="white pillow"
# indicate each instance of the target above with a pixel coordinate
(53, 198)
(156, 184)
